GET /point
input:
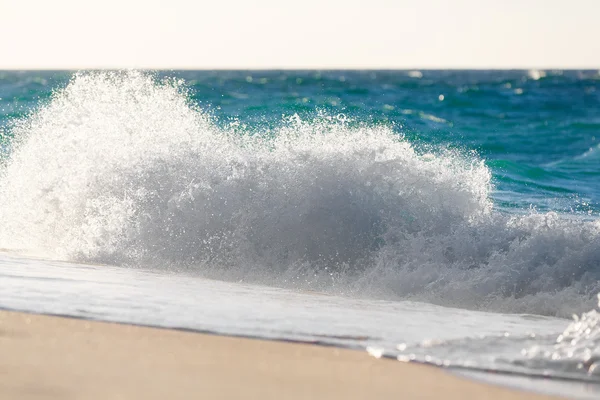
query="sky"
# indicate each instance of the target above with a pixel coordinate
(266, 34)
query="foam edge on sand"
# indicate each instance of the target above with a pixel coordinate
(49, 357)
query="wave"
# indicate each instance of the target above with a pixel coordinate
(121, 168)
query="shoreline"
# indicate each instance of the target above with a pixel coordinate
(52, 357)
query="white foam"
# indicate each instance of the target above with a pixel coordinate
(576, 351)
(120, 168)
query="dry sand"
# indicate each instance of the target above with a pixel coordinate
(46, 357)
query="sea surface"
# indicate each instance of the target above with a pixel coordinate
(449, 218)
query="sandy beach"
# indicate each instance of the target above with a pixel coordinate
(47, 357)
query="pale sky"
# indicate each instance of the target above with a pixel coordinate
(172, 34)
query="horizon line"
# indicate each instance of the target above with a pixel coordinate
(453, 68)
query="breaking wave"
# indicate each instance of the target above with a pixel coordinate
(122, 168)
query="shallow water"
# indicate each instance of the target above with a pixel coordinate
(179, 301)
(465, 341)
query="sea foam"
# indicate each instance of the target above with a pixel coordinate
(121, 168)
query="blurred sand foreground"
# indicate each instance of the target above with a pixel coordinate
(46, 357)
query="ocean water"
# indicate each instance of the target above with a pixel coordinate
(442, 217)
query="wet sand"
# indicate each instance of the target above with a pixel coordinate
(47, 357)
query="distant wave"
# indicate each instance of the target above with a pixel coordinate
(121, 168)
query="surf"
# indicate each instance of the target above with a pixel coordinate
(123, 168)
